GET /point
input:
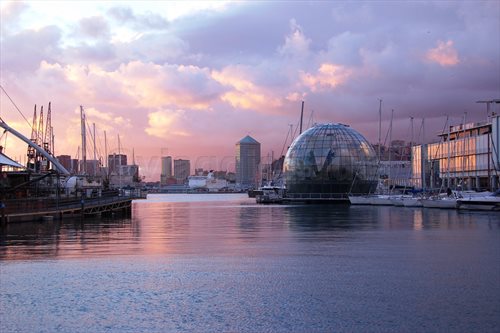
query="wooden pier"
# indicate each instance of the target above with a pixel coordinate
(45, 209)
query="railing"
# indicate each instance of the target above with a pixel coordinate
(317, 196)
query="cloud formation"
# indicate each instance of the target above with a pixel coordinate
(443, 54)
(199, 80)
(161, 124)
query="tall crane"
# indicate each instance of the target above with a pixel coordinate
(41, 135)
(31, 164)
(38, 149)
(46, 139)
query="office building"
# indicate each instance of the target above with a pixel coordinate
(247, 163)
(182, 169)
(65, 161)
(115, 160)
(166, 169)
(466, 157)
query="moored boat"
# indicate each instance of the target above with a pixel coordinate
(381, 200)
(360, 199)
(397, 200)
(270, 194)
(480, 202)
(412, 202)
(440, 202)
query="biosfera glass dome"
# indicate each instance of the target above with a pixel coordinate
(330, 160)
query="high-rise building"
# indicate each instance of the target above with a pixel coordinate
(247, 162)
(115, 160)
(74, 166)
(181, 170)
(91, 167)
(65, 161)
(166, 169)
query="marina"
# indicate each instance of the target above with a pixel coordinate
(249, 166)
(248, 267)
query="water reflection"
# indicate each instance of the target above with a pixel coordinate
(319, 218)
(68, 238)
(227, 225)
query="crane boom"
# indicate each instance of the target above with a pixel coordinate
(39, 149)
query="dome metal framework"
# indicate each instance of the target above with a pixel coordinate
(330, 161)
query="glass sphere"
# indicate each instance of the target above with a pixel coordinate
(328, 161)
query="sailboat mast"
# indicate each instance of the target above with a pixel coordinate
(379, 128)
(448, 157)
(390, 149)
(463, 149)
(105, 150)
(424, 158)
(95, 154)
(301, 117)
(119, 164)
(84, 140)
(411, 147)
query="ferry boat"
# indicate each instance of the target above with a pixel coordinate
(208, 183)
(270, 194)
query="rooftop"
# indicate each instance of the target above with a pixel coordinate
(247, 139)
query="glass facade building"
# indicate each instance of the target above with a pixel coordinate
(467, 156)
(330, 161)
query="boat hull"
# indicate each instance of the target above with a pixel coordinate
(412, 202)
(360, 200)
(489, 204)
(439, 203)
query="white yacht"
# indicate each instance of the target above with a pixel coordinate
(442, 200)
(360, 199)
(489, 202)
(412, 201)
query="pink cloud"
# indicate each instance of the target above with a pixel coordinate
(443, 54)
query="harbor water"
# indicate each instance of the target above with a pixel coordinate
(221, 263)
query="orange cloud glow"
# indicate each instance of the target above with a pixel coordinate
(245, 93)
(328, 76)
(161, 124)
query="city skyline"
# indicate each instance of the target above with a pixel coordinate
(189, 79)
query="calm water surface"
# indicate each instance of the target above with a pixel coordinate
(212, 263)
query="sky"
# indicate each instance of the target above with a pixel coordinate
(189, 79)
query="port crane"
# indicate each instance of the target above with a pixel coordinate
(36, 147)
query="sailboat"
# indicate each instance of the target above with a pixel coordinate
(449, 198)
(414, 200)
(372, 199)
